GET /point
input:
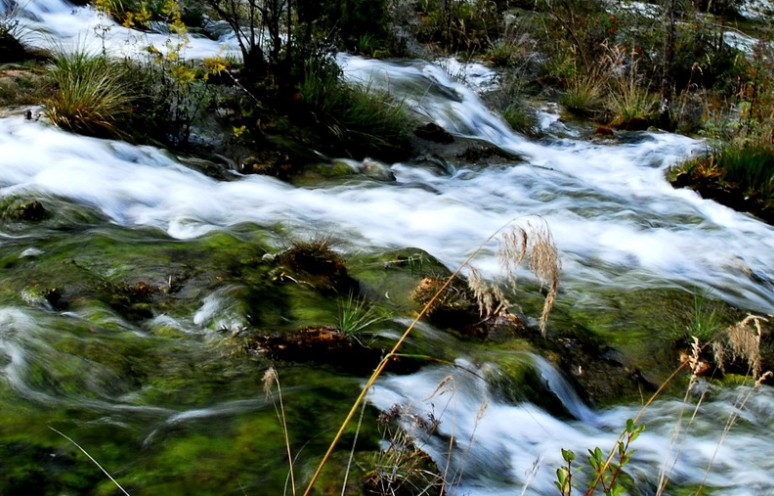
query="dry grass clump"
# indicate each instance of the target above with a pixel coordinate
(739, 347)
(744, 342)
(517, 244)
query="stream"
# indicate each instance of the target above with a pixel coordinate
(161, 400)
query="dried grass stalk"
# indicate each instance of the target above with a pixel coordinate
(545, 264)
(719, 354)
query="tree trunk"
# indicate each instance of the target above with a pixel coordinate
(667, 81)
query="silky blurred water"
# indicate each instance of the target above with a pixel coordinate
(616, 221)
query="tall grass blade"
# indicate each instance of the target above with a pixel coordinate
(95, 462)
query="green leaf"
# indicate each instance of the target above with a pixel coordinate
(561, 476)
(596, 453)
(563, 481)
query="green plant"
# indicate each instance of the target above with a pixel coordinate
(583, 96)
(521, 118)
(357, 314)
(579, 26)
(737, 175)
(749, 168)
(585, 86)
(91, 94)
(131, 13)
(629, 99)
(704, 321)
(169, 93)
(12, 46)
(606, 469)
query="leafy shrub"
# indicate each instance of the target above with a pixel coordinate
(703, 58)
(580, 27)
(169, 93)
(134, 13)
(608, 474)
(360, 24)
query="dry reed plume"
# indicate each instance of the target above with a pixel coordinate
(532, 243)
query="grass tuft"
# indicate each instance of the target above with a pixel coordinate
(357, 116)
(741, 177)
(356, 315)
(750, 168)
(90, 94)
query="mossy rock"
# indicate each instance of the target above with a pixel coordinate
(17, 212)
(395, 274)
(25, 211)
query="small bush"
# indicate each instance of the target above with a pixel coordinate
(521, 118)
(12, 48)
(632, 106)
(458, 25)
(135, 13)
(583, 96)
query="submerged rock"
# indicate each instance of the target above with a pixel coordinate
(326, 345)
(434, 132)
(316, 264)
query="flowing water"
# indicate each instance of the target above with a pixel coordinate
(162, 403)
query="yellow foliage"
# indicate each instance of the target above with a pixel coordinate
(183, 74)
(128, 20)
(215, 65)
